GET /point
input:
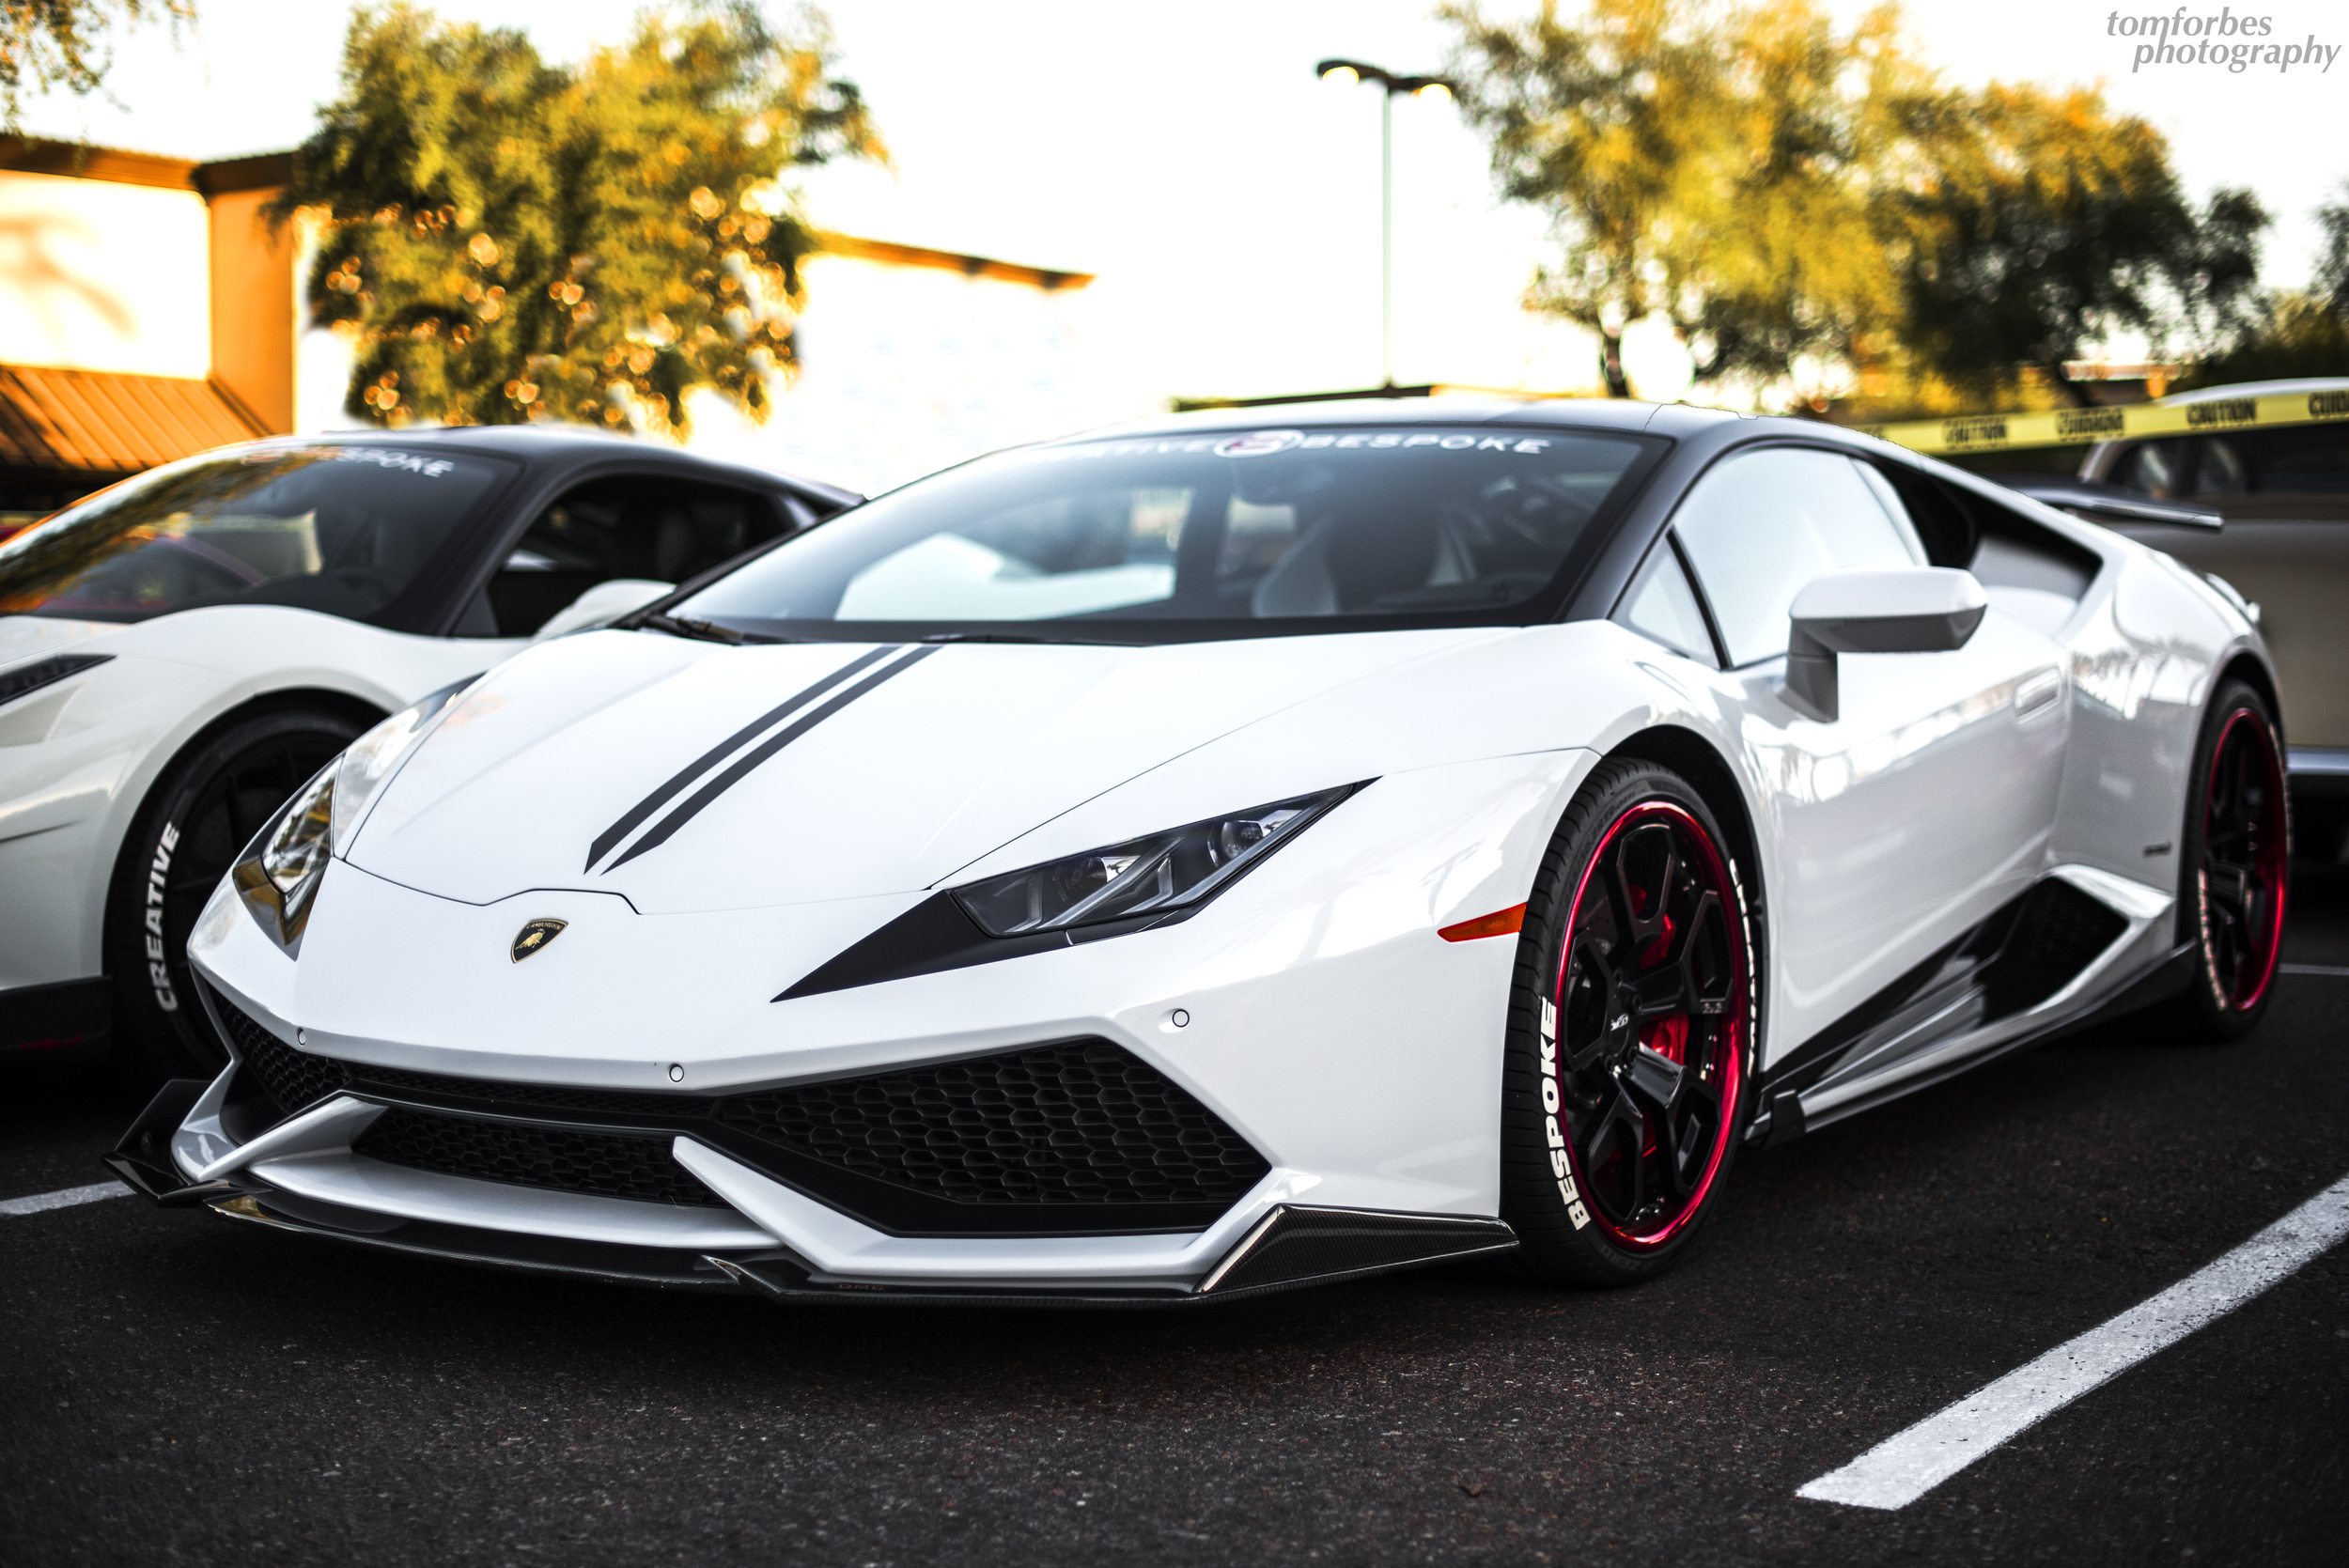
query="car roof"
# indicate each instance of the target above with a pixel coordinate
(551, 444)
(1610, 413)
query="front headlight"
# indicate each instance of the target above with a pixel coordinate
(279, 872)
(1144, 877)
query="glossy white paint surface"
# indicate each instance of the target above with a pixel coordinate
(354, 1181)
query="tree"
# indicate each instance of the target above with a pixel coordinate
(2043, 222)
(502, 239)
(2299, 332)
(1786, 193)
(1698, 162)
(60, 44)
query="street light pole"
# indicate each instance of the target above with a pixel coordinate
(1386, 238)
(1350, 72)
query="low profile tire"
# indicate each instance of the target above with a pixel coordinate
(204, 809)
(2235, 855)
(1629, 1064)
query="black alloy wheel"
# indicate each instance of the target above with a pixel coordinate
(206, 808)
(2235, 874)
(1630, 1062)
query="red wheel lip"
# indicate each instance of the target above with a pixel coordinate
(1734, 1086)
(2275, 861)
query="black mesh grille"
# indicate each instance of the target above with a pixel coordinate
(609, 1165)
(547, 1097)
(1076, 1123)
(293, 1078)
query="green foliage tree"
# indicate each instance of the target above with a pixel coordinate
(1697, 160)
(46, 44)
(2300, 331)
(503, 239)
(2045, 222)
(1783, 190)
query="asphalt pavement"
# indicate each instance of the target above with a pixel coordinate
(174, 1390)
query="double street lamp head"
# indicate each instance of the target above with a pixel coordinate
(1350, 72)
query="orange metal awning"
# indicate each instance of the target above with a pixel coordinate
(99, 423)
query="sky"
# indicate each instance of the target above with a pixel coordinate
(1228, 199)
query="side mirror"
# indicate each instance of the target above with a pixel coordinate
(600, 605)
(1874, 609)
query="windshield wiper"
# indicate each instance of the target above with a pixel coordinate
(1019, 637)
(707, 631)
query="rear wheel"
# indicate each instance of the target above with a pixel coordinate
(2236, 856)
(1630, 1058)
(204, 810)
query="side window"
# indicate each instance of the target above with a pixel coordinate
(2154, 468)
(1759, 526)
(659, 530)
(1662, 606)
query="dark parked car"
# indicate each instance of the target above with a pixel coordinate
(2267, 511)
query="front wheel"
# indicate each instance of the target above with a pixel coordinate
(1631, 1057)
(207, 807)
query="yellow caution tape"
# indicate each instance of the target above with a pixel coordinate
(2003, 432)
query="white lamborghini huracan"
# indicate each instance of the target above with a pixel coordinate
(1204, 859)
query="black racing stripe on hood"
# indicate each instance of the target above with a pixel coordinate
(661, 830)
(611, 836)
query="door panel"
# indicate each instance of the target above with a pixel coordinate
(1931, 799)
(1928, 803)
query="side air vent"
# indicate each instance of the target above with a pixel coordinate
(2027, 951)
(293, 1080)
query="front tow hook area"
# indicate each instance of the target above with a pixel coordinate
(142, 1161)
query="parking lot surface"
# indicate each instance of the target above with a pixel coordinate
(176, 1389)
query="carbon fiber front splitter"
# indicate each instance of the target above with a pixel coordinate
(1293, 1247)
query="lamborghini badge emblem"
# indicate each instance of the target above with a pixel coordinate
(535, 935)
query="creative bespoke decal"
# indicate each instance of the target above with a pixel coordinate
(533, 937)
(1258, 444)
(158, 971)
(661, 832)
(1560, 1165)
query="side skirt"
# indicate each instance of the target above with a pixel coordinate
(2001, 987)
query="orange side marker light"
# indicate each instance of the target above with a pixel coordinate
(1502, 923)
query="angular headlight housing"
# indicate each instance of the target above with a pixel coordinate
(279, 872)
(1141, 877)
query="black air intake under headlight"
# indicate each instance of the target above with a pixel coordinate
(1076, 1131)
(1071, 1137)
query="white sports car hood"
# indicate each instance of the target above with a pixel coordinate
(32, 636)
(687, 776)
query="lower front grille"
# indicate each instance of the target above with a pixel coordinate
(1076, 1137)
(1073, 1125)
(561, 1159)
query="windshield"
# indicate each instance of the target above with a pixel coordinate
(342, 529)
(1164, 538)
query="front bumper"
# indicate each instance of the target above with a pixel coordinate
(291, 1177)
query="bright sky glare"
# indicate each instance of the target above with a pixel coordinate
(1228, 199)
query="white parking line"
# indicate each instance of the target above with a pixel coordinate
(65, 1199)
(1903, 1467)
(2312, 969)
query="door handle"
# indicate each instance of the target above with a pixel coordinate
(2035, 692)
